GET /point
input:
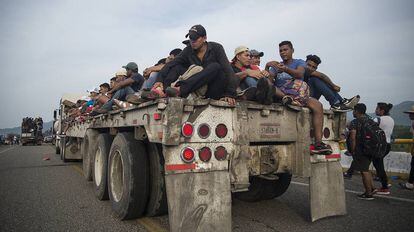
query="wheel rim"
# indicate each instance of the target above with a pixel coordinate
(117, 176)
(99, 167)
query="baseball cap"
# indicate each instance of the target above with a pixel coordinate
(93, 90)
(196, 31)
(240, 49)
(254, 52)
(121, 72)
(132, 66)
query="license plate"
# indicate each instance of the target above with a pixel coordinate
(270, 130)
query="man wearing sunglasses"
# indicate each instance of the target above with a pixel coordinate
(216, 72)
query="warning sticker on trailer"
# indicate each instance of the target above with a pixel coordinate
(270, 130)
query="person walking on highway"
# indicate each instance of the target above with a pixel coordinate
(361, 161)
(410, 183)
(386, 123)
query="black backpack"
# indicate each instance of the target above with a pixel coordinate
(373, 139)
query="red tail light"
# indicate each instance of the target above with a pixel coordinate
(204, 131)
(220, 153)
(326, 132)
(187, 155)
(204, 154)
(221, 130)
(187, 129)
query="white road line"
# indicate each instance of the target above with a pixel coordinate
(7, 150)
(356, 192)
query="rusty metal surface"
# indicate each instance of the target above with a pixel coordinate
(199, 201)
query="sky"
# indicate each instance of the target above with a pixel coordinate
(48, 48)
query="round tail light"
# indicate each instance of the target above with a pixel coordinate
(203, 131)
(187, 129)
(187, 155)
(221, 130)
(326, 132)
(205, 154)
(220, 153)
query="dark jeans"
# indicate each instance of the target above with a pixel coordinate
(212, 76)
(411, 178)
(320, 88)
(120, 94)
(379, 167)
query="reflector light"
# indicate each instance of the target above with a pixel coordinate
(326, 132)
(221, 130)
(187, 155)
(204, 131)
(187, 129)
(157, 116)
(220, 153)
(204, 154)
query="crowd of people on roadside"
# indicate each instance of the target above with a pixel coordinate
(202, 70)
(359, 132)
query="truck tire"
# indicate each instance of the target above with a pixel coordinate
(57, 150)
(128, 176)
(63, 151)
(157, 201)
(276, 188)
(262, 189)
(100, 160)
(88, 148)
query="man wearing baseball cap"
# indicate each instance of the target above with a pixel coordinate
(410, 183)
(123, 87)
(216, 72)
(255, 56)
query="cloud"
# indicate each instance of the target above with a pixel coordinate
(49, 48)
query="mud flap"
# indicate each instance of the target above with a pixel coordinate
(327, 192)
(199, 201)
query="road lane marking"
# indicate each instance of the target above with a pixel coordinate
(78, 169)
(356, 192)
(7, 149)
(150, 225)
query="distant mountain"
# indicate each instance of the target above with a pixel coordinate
(397, 113)
(17, 130)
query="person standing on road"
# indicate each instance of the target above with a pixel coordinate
(361, 161)
(386, 123)
(410, 183)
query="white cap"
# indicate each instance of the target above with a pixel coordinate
(93, 90)
(121, 72)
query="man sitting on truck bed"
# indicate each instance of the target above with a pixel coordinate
(216, 72)
(321, 85)
(289, 85)
(123, 87)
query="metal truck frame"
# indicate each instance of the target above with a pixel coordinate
(188, 157)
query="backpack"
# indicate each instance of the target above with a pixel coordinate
(373, 140)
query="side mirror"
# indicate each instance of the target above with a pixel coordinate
(54, 114)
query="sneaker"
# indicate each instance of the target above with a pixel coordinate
(248, 94)
(374, 191)
(321, 149)
(407, 186)
(287, 100)
(347, 175)
(172, 92)
(365, 196)
(340, 107)
(383, 191)
(350, 103)
(135, 99)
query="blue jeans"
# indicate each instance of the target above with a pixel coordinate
(320, 88)
(148, 83)
(248, 82)
(120, 94)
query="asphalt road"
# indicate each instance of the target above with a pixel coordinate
(49, 195)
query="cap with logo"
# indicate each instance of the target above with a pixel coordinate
(131, 66)
(196, 32)
(254, 52)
